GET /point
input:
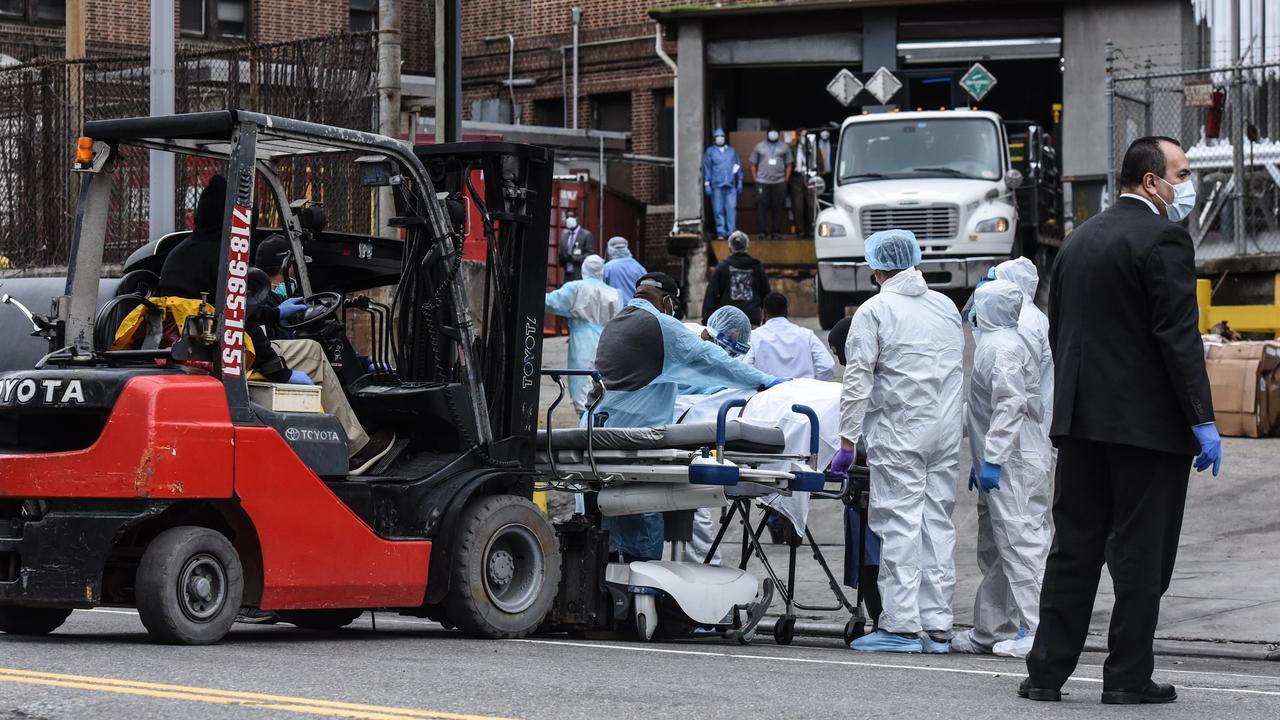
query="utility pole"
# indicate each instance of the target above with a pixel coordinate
(575, 18)
(389, 99)
(1237, 134)
(448, 70)
(75, 70)
(162, 175)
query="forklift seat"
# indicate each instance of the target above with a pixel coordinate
(740, 436)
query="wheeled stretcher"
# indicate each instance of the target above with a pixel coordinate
(676, 469)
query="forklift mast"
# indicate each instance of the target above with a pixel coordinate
(508, 187)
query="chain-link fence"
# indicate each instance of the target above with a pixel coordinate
(1211, 112)
(329, 80)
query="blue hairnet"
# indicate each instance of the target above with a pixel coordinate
(731, 329)
(893, 250)
(718, 133)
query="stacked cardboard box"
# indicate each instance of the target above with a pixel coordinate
(1245, 379)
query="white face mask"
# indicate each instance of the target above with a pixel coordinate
(1184, 199)
(720, 140)
(773, 136)
(571, 222)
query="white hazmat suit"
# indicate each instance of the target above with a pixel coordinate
(902, 389)
(1003, 420)
(588, 304)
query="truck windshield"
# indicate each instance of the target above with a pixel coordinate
(945, 147)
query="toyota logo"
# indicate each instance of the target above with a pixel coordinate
(292, 434)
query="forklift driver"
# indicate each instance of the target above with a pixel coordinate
(193, 268)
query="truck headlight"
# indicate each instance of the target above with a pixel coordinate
(830, 229)
(994, 225)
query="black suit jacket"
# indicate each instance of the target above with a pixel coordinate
(1124, 327)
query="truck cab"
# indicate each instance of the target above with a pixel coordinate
(944, 175)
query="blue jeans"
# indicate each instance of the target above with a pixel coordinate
(724, 206)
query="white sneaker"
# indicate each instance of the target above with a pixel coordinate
(962, 642)
(1018, 648)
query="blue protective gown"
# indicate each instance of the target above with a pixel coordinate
(587, 304)
(641, 392)
(722, 182)
(621, 273)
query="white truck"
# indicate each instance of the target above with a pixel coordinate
(947, 176)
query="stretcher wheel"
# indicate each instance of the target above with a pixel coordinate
(784, 631)
(646, 613)
(854, 629)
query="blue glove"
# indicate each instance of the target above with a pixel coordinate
(1210, 447)
(297, 377)
(842, 461)
(778, 381)
(973, 478)
(291, 307)
(989, 476)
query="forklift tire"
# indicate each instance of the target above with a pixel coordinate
(31, 621)
(189, 588)
(506, 568)
(320, 619)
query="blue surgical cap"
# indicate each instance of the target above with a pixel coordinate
(718, 133)
(893, 250)
(731, 329)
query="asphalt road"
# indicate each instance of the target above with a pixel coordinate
(101, 664)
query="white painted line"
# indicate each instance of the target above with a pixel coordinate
(856, 663)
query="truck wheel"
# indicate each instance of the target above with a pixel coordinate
(17, 620)
(189, 587)
(506, 568)
(320, 619)
(830, 306)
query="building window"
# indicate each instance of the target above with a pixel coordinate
(549, 112)
(38, 11)
(215, 19)
(363, 15)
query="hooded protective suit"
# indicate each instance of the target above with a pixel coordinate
(902, 389)
(1003, 419)
(588, 304)
(1033, 327)
(622, 271)
(644, 355)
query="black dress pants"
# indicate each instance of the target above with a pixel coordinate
(1121, 505)
(770, 200)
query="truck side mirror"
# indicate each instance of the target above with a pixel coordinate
(1013, 178)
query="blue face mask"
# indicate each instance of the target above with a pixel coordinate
(1184, 199)
(281, 290)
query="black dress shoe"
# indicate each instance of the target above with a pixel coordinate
(1031, 692)
(1152, 693)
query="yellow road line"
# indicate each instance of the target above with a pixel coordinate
(260, 701)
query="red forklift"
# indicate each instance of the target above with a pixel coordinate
(148, 477)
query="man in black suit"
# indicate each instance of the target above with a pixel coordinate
(576, 243)
(1131, 409)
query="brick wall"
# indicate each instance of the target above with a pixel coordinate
(127, 23)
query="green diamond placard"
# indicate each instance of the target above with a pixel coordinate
(978, 81)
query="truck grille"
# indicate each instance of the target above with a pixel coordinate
(940, 222)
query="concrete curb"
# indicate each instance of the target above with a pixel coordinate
(1172, 648)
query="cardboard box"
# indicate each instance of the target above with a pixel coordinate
(744, 142)
(1245, 381)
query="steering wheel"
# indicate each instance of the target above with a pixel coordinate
(321, 308)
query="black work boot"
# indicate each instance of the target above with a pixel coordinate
(1031, 692)
(1152, 693)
